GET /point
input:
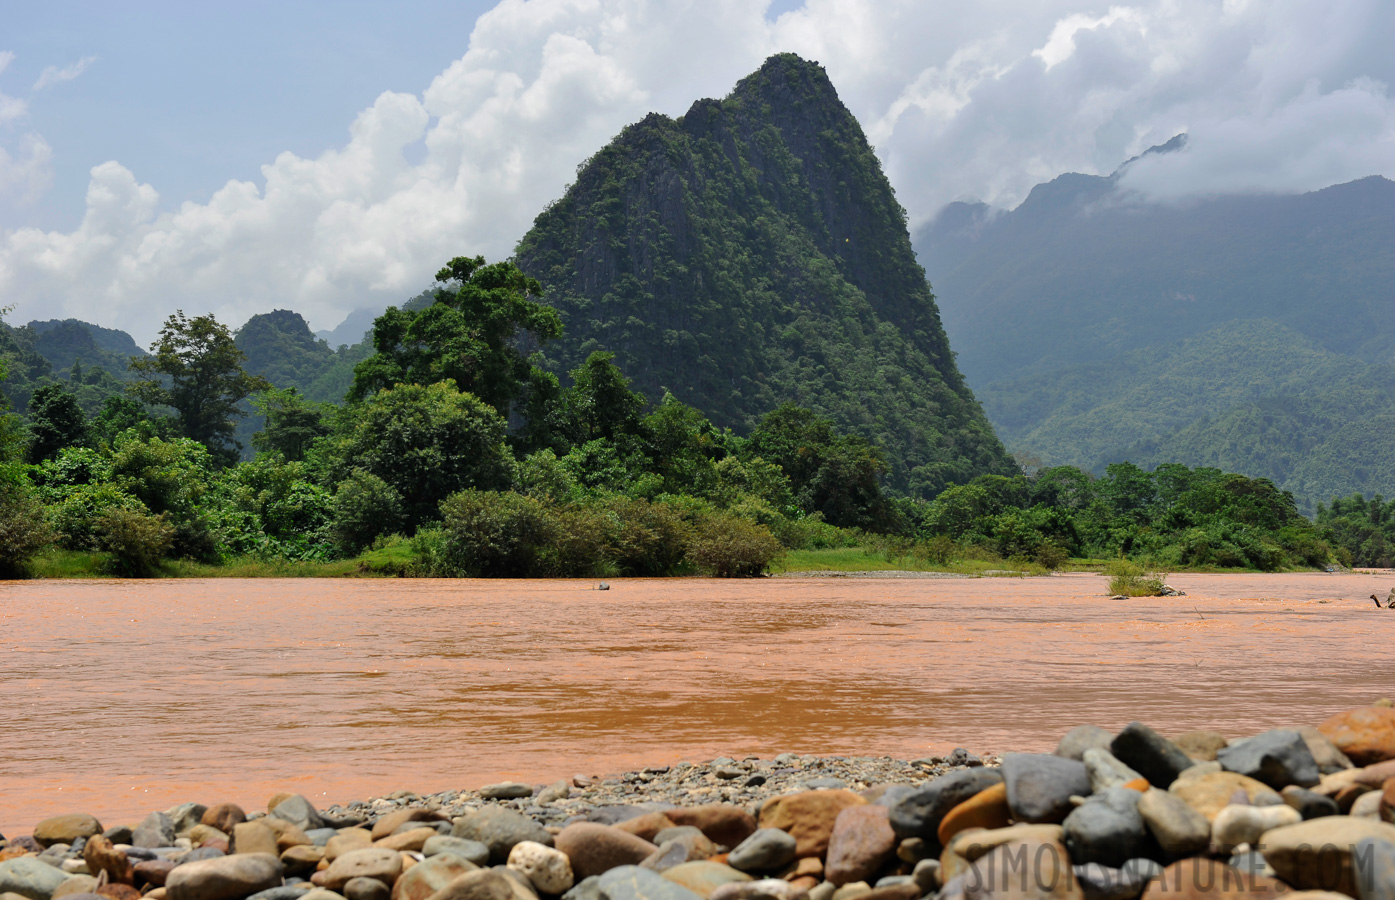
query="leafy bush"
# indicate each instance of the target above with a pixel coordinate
(364, 508)
(1130, 580)
(136, 540)
(729, 546)
(652, 538)
(23, 529)
(491, 534)
(76, 518)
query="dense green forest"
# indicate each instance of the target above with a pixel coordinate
(1247, 333)
(752, 253)
(457, 454)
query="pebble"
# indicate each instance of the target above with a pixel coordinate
(1150, 754)
(27, 876)
(427, 877)
(808, 816)
(1201, 746)
(986, 809)
(474, 851)
(920, 813)
(1105, 771)
(223, 879)
(1107, 828)
(1209, 794)
(594, 848)
(861, 843)
(370, 862)
(1317, 855)
(1278, 758)
(547, 869)
(65, 829)
(1244, 824)
(362, 889)
(1039, 786)
(704, 877)
(766, 850)
(1310, 805)
(155, 830)
(499, 829)
(508, 790)
(1081, 738)
(1178, 828)
(1365, 735)
(634, 883)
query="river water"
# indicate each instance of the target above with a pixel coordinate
(119, 697)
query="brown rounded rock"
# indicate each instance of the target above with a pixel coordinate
(594, 849)
(484, 884)
(101, 856)
(703, 876)
(153, 871)
(1317, 854)
(861, 841)
(1201, 745)
(1209, 794)
(371, 862)
(1365, 735)
(808, 816)
(254, 837)
(302, 859)
(346, 840)
(66, 828)
(986, 809)
(223, 817)
(225, 878)
(1032, 869)
(646, 826)
(721, 822)
(395, 820)
(117, 892)
(411, 841)
(1199, 878)
(430, 875)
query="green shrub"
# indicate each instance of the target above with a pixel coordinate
(729, 546)
(1129, 579)
(652, 538)
(75, 517)
(491, 534)
(579, 545)
(364, 508)
(1051, 556)
(940, 549)
(135, 539)
(23, 529)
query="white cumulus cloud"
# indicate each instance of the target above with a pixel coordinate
(980, 100)
(52, 75)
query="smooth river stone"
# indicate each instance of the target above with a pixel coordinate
(1178, 829)
(1018, 870)
(299, 811)
(1199, 878)
(808, 816)
(155, 830)
(1107, 829)
(388, 824)
(507, 790)
(223, 816)
(764, 851)
(723, 823)
(704, 877)
(482, 884)
(595, 849)
(1278, 758)
(646, 826)
(370, 862)
(410, 841)
(1365, 735)
(1244, 824)
(1081, 738)
(1317, 855)
(1209, 794)
(862, 840)
(1105, 771)
(1150, 754)
(474, 851)
(28, 877)
(499, 829)
(1040, 785)
(66, 828)
(634, 883)
(101, 856)
(919, 813)
(547, 869)
(1201, 745)
(430, 875)
(228, 878)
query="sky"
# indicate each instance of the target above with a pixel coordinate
(238, 158)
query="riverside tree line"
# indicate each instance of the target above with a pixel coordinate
(456, 448)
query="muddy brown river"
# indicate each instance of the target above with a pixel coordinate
(117, 698)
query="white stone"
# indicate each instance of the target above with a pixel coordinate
(1239, 824)
(547, 869)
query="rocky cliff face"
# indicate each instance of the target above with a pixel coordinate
(752, 253)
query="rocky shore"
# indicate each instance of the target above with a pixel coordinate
(1307, 812)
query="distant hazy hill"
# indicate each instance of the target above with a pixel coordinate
(1250, 333)
(750, 253)
(89, 359)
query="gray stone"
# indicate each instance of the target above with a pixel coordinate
(300, 812)
(1040, 785)
(474, 851)
(197, 854)
(586, 889)
(185, 816)
(669, 854)
(119, 834)
(1099, 882)
(365, 889)
(30, 877)
(1374, 862)
(927, 875)
(522, 887)
(1150, 754)
(155, 830)
(1310, 805)
(961, 757)
(697, 844)
(894, 794)
(499, 829)
(1107, 829)
(284, 892)
(1329, 759)
(919, 813)
(1278, 758)
(826, 784)
(1178, 829)
(1105, 771)
(228, 878)
(766, 850)
(893, 881)
(507, 790)
(553, 792)
(320, 836)
(634, 883)
(1081, 738)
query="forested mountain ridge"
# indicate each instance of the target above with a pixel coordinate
(752, 253)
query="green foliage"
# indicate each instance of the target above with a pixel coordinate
(427, 442)
(196, 368)
(135, 539)
(270, 507)
(1130, 580)
(493, 535)
(365, 508)
(1362, 530)
(729, 546)
(468, 336)
(752, 253)
(56, 421)
(291, 423)
(75, 517)
(23, 528)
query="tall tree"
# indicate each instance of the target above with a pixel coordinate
(55, 421)
(203, 379)
(469, 335)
